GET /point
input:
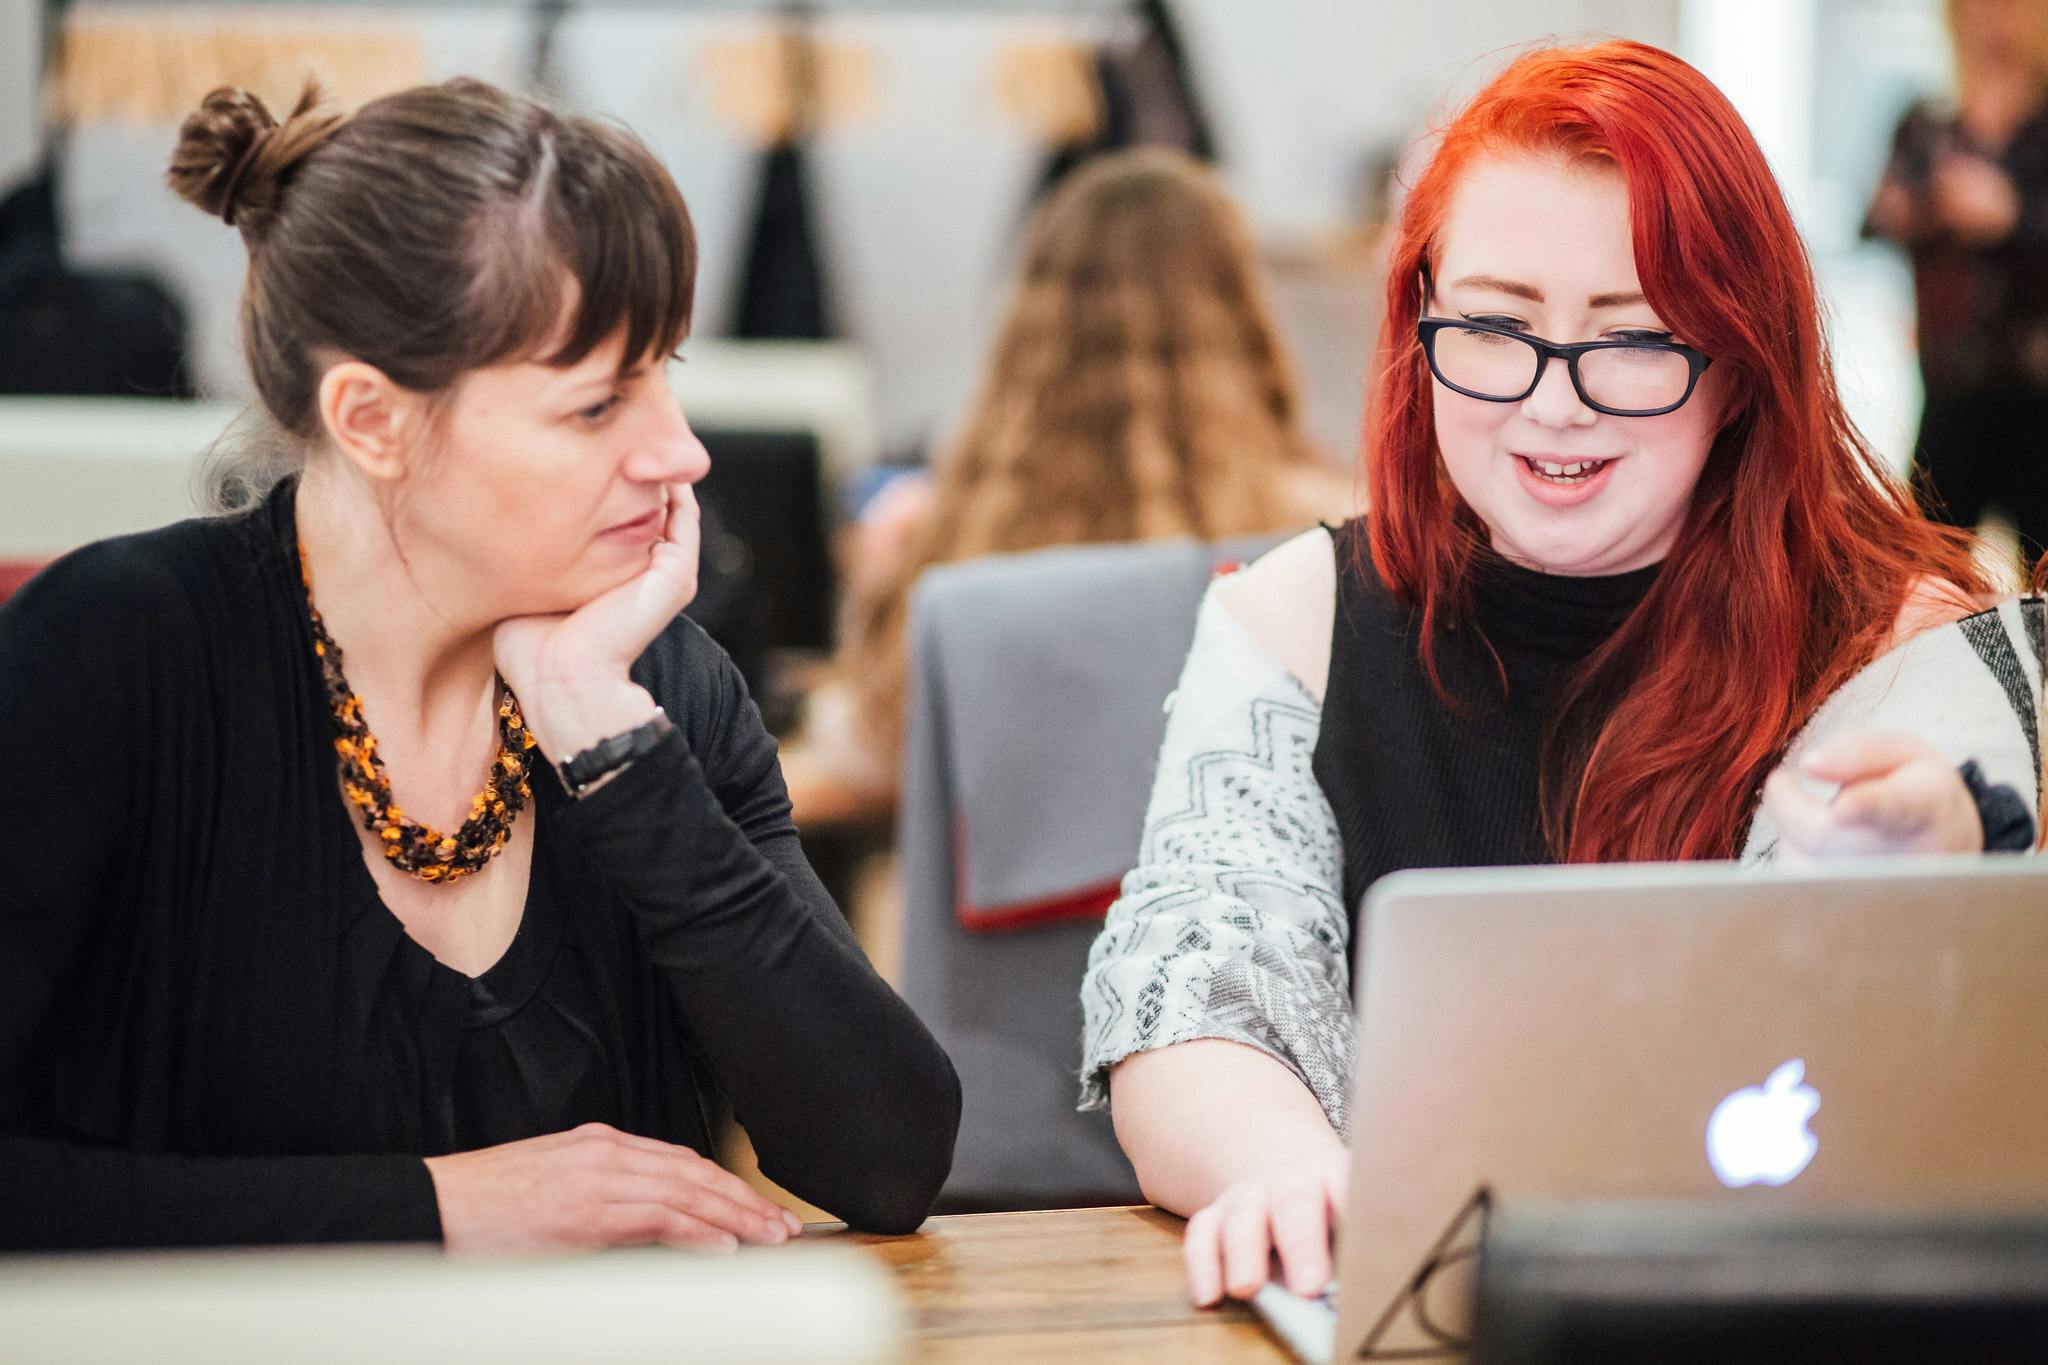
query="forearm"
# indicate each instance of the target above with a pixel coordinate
(62, 1196)
(1197, 1117)
(848, 1100)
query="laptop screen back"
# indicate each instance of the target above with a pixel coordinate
(1867, 1038)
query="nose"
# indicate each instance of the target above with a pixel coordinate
(669, 451)
(1554, 402)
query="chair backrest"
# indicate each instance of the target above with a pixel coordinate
(74, 470)
(1037, 689)
(81, 469)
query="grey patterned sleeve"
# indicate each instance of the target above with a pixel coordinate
(1232, 925)
(1971, 690)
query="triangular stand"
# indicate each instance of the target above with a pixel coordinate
(1409, 1311)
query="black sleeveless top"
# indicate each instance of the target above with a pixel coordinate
(1414, 782)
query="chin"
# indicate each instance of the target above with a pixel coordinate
(561, 593)
(1571, 553)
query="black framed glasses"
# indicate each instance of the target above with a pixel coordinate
(1619, 378)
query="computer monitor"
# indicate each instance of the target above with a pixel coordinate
(768, 490)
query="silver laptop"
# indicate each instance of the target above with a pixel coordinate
(1865, 1035)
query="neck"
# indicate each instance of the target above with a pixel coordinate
(409, 634)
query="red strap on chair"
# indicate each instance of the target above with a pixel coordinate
(14, 573)
(1081, 903)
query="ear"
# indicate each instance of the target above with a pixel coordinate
(371, 420)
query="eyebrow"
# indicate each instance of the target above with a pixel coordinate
(591, 383)
(603, 379)
(1534, 295)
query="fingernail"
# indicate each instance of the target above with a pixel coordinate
(728, 1242)
(796, 1224)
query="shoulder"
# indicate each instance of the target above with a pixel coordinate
(119, 640)
(1930, 604)
(1973, 674)
(1286, 602)
(145, 592)
(1942, 632)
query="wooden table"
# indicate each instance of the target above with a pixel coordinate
(1075, 1285)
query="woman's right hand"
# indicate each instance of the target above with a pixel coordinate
(1291, 1209)
(595, 1186)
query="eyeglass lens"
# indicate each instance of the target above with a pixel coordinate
(1504, 367)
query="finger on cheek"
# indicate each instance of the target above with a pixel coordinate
(671, 527)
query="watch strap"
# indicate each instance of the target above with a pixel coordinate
(607, 756)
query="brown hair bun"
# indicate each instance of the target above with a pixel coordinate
(233, 157)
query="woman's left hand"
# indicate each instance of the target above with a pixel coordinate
(570, 672)
(1897, 796)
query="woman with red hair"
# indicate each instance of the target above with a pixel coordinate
(1633, 588)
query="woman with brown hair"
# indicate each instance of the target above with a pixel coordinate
(246, 995)
(1138, 389)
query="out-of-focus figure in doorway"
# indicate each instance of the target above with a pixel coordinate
(1965, 193)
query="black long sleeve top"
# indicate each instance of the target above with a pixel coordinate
(212, 1031)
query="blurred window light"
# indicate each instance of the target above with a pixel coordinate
(1822, 83)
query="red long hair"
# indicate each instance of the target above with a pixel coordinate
(1799, 548)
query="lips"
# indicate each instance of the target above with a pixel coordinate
(648, 522)
(1574, 480)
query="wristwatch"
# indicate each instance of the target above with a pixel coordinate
(586, 769)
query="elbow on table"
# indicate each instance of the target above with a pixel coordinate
(887, 1211)
(908, 1165)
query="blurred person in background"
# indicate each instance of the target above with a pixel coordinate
(1966, 194)
(246, 995)
(1138, 389)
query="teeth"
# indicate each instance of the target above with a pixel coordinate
(1551, 469)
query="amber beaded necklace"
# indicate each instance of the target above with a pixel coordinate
(408, 845)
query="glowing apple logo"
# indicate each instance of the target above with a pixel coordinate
(1758, 1135)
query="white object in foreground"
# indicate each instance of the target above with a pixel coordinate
(395, 1306)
